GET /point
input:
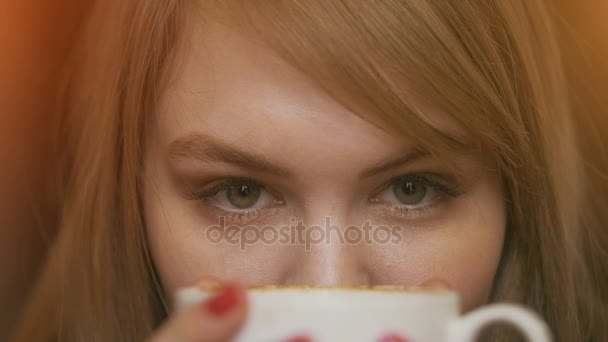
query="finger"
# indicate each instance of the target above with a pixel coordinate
(216, 319)
(208, 283)
(436, 284)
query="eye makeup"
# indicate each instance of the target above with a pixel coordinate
(409, 197)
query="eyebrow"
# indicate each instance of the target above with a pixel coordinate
(386, 165)
(205, 148)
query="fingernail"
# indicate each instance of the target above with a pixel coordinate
(393, 338)
(208, 283)
(223, 302)
(299, 339)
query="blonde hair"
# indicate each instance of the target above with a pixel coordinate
(493, 66)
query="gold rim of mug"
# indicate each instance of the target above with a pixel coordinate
(375, 288)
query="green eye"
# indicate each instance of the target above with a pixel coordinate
(410, 192)
(243, 195)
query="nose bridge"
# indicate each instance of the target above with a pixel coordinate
(326, 256)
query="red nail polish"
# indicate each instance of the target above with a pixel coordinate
(393, 338)
(223, 302)
(298, 339)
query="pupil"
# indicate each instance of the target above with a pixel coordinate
(244, 191)
(409, 188)
(243, 195)
(409, 192)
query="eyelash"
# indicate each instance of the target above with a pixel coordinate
(237, 217)
(403, 212)
(427, 180)
(226, 185)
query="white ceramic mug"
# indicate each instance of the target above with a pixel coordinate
(365, 314)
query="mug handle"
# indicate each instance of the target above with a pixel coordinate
(466, 328)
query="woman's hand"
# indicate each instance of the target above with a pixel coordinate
(217, 319)
(220, 317)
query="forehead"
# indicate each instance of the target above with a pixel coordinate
(233, 87)
(238, 88)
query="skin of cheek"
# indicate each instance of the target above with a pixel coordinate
(182, 252)
(463, 248)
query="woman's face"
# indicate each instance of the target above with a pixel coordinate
(255, 174)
